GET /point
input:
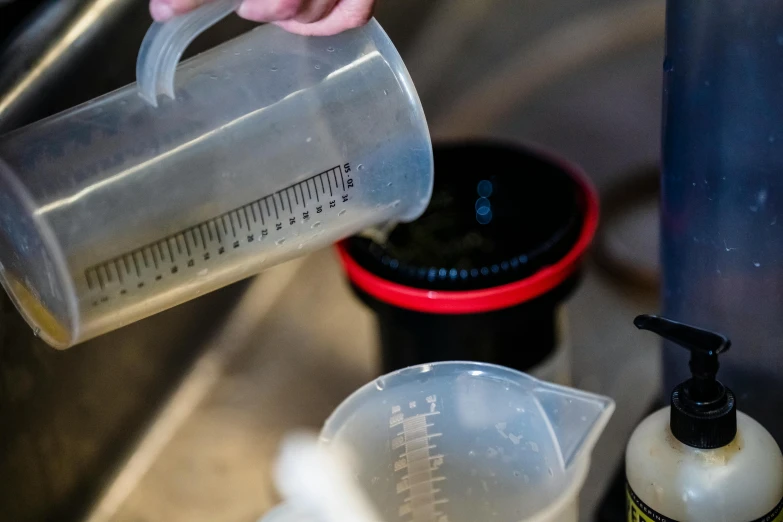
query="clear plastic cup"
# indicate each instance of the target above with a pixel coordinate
(465, 442)
(275, 145)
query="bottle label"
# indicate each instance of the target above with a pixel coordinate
(638, 511)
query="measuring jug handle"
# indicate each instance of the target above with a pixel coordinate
(165, 42)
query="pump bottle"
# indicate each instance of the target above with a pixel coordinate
(701, 460)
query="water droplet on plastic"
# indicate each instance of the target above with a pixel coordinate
(37, 332)
(273, 68)
(317, 66)
(360, 166)
(389, 184)
(300, 246)
(551, 473)
(280, 241)
(395, 204)
(330, 49)
(213, 76)
(342, 212)
(385, 92)
(237, 53)
(516, 473)
(471, 453)
(316, 224)
(756, 264)
(380, 384)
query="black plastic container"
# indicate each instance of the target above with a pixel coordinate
(483, 274)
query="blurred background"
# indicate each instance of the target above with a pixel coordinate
(178, 417)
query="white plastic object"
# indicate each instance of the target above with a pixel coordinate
(469, 441)
(164, 43)
(740, 482)
(317, 481)
(276, 145)
(289, 513)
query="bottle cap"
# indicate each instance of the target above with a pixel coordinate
(704, 411)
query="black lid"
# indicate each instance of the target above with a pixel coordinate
(704, 411)
(498, 214)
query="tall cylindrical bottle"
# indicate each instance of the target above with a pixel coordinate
(722, 189)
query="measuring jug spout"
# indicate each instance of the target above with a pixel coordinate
(576, 418)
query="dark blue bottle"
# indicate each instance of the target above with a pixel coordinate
(722, 191)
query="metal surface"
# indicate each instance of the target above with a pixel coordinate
(234, 334)
(70, 51)
(69, 418)
(10, 15)
(586, 37)
(60, 33)
(208, 455)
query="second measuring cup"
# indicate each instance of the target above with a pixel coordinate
(276, 144)
(462, 442)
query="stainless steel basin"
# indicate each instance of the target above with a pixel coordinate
(111, 430)
(69, 418)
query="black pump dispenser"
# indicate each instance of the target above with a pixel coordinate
(704, 411)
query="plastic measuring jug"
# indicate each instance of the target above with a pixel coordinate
(463, 442)
(275, 145)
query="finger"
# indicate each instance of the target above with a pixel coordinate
(270, 10)
(347, 14)
(163, 10)
(315, 10)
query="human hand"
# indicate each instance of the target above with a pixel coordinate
(308, 17)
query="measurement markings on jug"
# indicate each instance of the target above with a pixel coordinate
(418, 462)
(238, 230)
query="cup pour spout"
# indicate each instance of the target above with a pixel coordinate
(576, 418)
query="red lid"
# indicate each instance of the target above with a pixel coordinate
(493, 298)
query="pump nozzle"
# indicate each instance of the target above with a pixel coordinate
(703, 410)
(704, 346)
